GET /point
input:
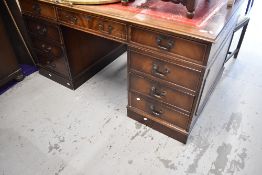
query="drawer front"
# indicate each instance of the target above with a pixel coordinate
(157, 91)
(43, 30)
(99, 25)
(177, 74)
(72, 18)
(56, 64)
(37, 8)
(47, 48)
(159, 111)
(108, 27)
(188, 49)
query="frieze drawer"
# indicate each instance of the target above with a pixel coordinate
(72, 18)
(102, 26)
(158, 111)
(180, 47)
(181, 100)
(43, 30)
(37, 8)
(108, 27)
(186, 76)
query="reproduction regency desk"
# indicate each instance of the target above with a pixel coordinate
(173, 62)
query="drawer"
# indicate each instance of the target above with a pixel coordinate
(158, 111)
(57, 78)
(47, 47)
(38, 8)
(43, 29)
(178, 74)
(107, 27)
(179, 99)
(102, 26)
(57, 64)
(184, 48)
(72, 18)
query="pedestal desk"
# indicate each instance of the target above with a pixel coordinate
(173, 62)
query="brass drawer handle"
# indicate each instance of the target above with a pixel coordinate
(157, 72)
(101, 28)
(36, 8)
(41, 30)
(155, 112)
(46, 48)
(157, 93)
(169, 42)
(50, 64)
(71, 19)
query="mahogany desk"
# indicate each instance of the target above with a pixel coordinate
(173, 62)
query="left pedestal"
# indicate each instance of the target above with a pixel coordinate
(64, 54)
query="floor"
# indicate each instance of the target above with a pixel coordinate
(46, 129)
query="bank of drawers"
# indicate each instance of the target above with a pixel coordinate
(162, 88)
(165, 75)
(48, 45)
